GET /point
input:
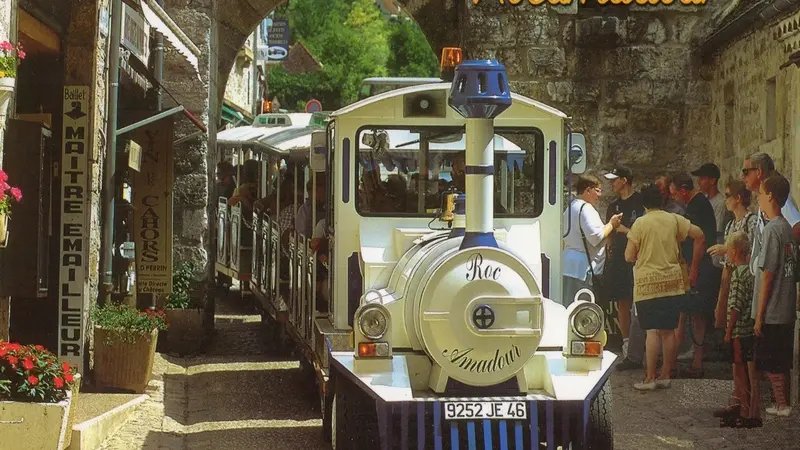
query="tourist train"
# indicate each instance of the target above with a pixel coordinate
(427, 298)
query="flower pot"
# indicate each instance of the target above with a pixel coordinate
(123, 365)
(185, 332)
(76, 388)
(41, 426)
(6, 91)
(3, 229)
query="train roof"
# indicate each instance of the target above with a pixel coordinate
(445, 86)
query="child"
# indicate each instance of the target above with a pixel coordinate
(775, 293)
(746, 409)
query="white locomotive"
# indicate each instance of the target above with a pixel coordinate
(442, 336)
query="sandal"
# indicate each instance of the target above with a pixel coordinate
(728, 411)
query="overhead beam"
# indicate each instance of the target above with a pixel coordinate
(37, 31)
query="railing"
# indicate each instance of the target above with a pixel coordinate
(285, 273)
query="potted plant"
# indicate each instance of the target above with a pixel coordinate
(184, 312)
(37, 392)
(125, 345)
(10, 56)
(7, 194)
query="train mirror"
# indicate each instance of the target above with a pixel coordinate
(318, 153)
(577, 154)
(378, 141)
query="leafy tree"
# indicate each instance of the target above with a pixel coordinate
(353, 40)
(410, 54)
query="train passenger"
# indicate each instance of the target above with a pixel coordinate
(459, 180)
(226, 179)
(247, 191)
(303, 221)
(374, 197)
(319, 244)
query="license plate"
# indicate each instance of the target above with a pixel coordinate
(485, 410)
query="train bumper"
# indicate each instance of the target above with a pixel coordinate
(556, 414)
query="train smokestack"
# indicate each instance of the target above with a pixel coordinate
(480, 93)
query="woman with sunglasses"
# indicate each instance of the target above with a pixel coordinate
(584, 255)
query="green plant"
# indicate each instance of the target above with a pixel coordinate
(128, 323)
(30, 373)
(182, 278)
(7, 194)
(8, 60)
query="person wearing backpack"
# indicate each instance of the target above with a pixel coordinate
(737, 201)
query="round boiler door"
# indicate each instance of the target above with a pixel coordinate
(481, 316)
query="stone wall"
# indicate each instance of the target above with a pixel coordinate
(239, 88)
(191, 186)
(86, 64)
(626, 75)
(740, 116)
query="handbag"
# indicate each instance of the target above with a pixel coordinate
(596, 280)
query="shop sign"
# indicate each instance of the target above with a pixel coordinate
(135, 33)
(152, 206)
(74, 233)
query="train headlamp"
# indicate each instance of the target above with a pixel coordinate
(373, 322)
(587, 320)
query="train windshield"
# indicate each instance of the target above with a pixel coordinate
(403, 171)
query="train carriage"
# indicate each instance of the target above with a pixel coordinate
(432, 313)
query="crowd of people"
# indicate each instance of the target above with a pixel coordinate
(680, 253)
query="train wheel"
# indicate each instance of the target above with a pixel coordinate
(327, 407)
(601, 428)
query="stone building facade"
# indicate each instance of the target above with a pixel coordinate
(755, 104)
(239, 88)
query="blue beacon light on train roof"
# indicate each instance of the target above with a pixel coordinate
(480, 89)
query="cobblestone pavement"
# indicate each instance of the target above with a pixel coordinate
(237, 396)
(233, 396)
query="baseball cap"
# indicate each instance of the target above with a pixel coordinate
(619, 171)
(707, 170)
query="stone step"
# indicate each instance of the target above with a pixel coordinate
(98, 416)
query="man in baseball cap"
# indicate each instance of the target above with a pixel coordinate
(707, 182)
(620, 172)
(618, 272)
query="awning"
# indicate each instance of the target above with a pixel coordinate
(163, 23)
(232, 116)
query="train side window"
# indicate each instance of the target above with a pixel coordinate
(403, 171)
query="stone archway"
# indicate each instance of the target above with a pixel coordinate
(438, 19)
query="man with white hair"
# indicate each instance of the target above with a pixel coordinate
(757, 168)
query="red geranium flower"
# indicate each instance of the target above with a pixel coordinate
(69, 378)
(3, 351)
(27, 363)
(33, 380)
(38, 347)
(65, 366)
(13, 347)
(13, 360)
(58, 382)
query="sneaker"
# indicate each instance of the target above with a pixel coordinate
(628, 364)
(782, 412)
(651, 386)
(663, 384)
(688, 355)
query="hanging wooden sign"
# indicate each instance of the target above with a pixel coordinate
(152, 206)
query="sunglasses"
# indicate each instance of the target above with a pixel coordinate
(748, 170)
